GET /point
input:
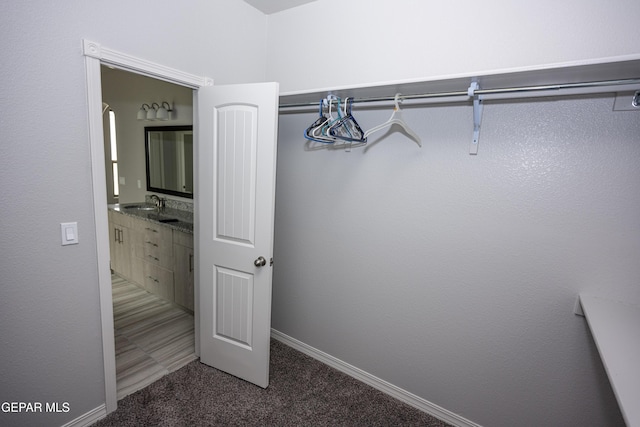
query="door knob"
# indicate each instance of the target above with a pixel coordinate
(260, 262)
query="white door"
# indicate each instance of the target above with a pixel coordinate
(237, 128)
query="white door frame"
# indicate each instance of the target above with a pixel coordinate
(96, 55)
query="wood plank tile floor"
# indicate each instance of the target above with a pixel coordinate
(153, 337)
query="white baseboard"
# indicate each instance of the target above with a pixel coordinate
(88, 418)
(375, 382)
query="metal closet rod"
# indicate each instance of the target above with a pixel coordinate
(498, 91)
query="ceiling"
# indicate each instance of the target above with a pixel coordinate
(273, 6)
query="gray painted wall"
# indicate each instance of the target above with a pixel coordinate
(50, 336)
(396, 40)
(454, 276)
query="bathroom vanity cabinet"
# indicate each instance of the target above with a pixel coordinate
(156, 256)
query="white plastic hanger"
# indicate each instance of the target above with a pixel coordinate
(319, 133)
(396, 119)
(347, 130)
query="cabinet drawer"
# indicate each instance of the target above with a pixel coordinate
(158, 281)
(156, 244)
(158, 254)
(157, 234)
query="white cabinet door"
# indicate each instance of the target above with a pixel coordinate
(237, 132)
(183, 268)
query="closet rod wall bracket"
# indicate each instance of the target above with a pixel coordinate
(477, 116)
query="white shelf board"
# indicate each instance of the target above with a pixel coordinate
(616, 68)
(615, 327)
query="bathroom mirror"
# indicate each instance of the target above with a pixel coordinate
(169, 159)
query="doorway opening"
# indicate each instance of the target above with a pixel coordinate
(152, 274)
(96, 56)
(255, 106)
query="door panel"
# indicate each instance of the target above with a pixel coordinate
(236, 169)
(233, 298)
(237, 128)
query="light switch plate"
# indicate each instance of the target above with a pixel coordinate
(69, 233)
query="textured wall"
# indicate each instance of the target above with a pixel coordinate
(455, 276)
(50, 336)
(330, 43)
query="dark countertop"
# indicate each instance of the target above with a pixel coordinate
(165, 216)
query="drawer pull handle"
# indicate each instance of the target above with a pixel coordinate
(152, 257)
(118, 235)
(151, 243)
(153, 278)
(151, 229)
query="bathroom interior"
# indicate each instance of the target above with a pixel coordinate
(149, 166)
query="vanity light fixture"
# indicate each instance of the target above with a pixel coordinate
(151, 112)
(155, 111)
(142, 112)
(163, 113)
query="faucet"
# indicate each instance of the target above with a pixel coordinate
(157, 201)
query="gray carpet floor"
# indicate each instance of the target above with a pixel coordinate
(302, 392)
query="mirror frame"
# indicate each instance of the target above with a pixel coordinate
(148, 129)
